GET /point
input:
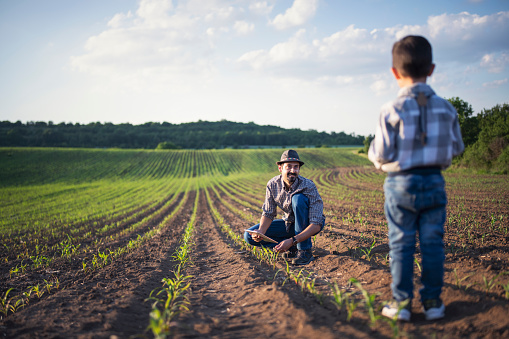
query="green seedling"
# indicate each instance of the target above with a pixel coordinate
(5, 302)
(506, 289)
(351, 305)
(393, 323)
(369, 301)
(459, 281)
(418, 264)
(339, 295)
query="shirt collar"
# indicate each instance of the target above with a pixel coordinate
(414, 89)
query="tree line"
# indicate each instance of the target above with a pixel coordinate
(151, 135)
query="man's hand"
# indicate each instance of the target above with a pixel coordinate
(264, 226)
(284, 245)
(256, 237)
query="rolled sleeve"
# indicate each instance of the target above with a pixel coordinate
(382, 149)
(269, 208)
(315, 207)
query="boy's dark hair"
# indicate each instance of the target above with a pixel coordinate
(412, 56)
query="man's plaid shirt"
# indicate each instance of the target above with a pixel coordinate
(397, 145)
(276, 195)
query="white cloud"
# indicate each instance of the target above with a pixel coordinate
(379, 86)
(260, 8)
(300, 12)
(466, 36)
(154, 13)
(495, 63)
(357, 51)
(119, 19)
(243, 27)
(496, 83)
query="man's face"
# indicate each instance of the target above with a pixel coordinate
(289, 171)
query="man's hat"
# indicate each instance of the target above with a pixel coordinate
(290, 156)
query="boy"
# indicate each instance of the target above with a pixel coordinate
(417, 136)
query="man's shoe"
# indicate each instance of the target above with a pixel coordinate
(291, 253)
(304, 257)
(399, 309)
(433, 309)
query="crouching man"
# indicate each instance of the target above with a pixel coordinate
(303, 208)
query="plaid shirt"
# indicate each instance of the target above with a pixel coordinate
(276, 195)
(397, 145)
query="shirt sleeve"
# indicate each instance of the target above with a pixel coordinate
(383, 147)
(457, 141)
(315, 205)
(269, 208)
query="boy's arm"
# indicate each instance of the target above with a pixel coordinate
(457, 141)
(383, 147)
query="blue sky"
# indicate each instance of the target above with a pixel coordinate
(308, 64)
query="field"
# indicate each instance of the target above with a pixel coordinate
(136, 243)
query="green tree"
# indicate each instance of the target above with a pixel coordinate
(491, 150)
(469, 124)
(367, 143)
(166, 145)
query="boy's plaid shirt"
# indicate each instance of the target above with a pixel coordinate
(276, 195)
(397, 144)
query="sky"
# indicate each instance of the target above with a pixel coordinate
(307, 64)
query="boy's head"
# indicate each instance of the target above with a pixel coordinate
(412, 57)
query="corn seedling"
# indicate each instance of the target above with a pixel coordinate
(369, 301)
(339, 295)
(37, 290)
(488, 284)
(310, 284)
(506, 289)
(393, 323)
(351, 305)
(418, 264)
(459, 281)
(367, 252)
(5, 305)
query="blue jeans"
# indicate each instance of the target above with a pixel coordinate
(416, 203)
(277, 229)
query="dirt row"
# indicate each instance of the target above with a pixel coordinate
(234, 295)
(110, 301)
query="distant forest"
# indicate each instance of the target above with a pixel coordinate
(151, 135)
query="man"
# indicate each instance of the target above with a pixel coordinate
(303, 207)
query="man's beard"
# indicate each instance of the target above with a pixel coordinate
(292, 178)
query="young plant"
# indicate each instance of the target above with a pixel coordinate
(459, 281)
(5, 302)
(351, 305)
(339, 295)
(369, 301)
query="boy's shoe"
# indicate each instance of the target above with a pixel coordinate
(433, 309)
(304, 257)
(291, 253)
(391, 309)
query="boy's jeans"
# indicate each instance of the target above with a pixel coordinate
(277, 229)
(416, 203)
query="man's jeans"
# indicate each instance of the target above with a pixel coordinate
(416, 203)
(277, 229)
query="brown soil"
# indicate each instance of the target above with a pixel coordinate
(235, 295)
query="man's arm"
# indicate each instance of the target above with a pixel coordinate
(264, 226)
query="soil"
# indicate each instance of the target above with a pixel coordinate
(234, 295)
